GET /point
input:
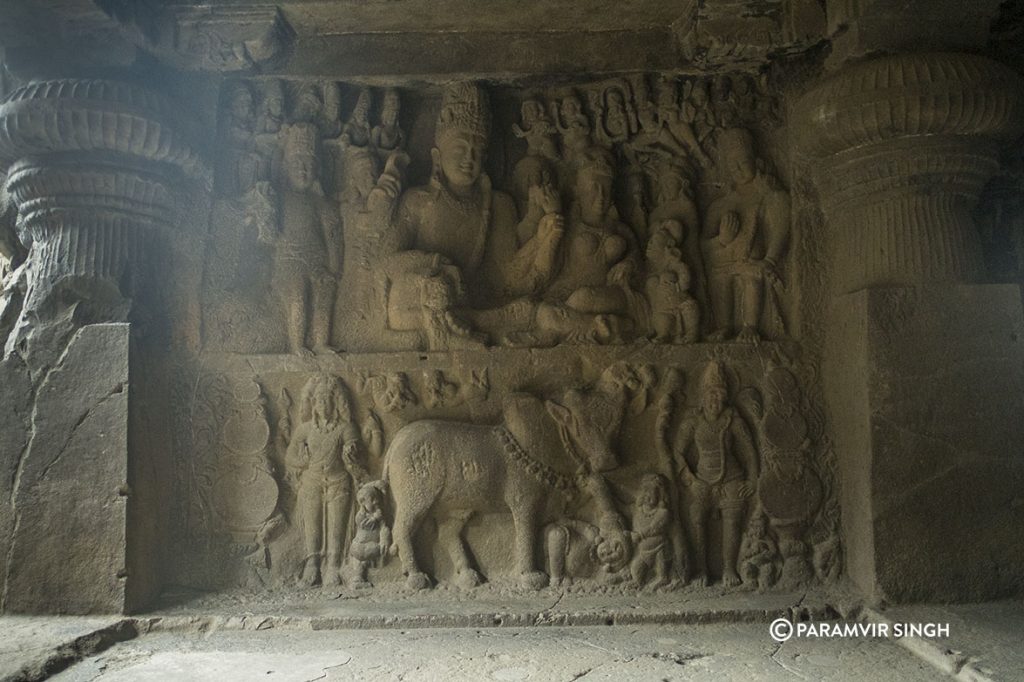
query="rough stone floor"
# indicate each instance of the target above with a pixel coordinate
(985, 643)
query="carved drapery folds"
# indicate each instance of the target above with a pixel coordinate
(908, 142)
(90, 168)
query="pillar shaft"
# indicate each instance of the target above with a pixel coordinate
(92, 168)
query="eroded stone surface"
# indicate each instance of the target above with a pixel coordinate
(67, 544)
(907, 336)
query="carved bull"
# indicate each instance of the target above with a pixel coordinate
(452, 470)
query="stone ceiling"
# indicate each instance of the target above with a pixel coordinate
(427, 38)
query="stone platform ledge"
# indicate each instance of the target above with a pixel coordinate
(632, 352)
(334, 610)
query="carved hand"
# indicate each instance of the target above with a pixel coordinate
(730, 222)
(620, 273)
(546, 197)
(390, 184)
(551, 228)
(747, 489)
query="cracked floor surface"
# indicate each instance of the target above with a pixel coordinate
(736, 651)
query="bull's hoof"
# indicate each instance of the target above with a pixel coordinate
(535, 580)
(468, 579)
(417, 581)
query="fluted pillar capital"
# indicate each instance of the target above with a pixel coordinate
(903, 145)
(91, 166)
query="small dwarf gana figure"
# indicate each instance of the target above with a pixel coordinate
(758, 559)
(675, 315)
(372, 538)
(650, 533)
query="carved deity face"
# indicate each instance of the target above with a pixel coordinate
(323, 404)
(594, 193)
(241, 105)
(389, 112)
(663, 249)
(531, 112)
(361, 112)
(671, 186)
(273, 104)
(571, 108)
(739, 163)
(713, 402)
(460, 156)
(369, 499)
(301, 170)
(612, 552)
(650, 492)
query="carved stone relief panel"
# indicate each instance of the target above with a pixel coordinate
(618, 470)
(520, 337)
(641, 208)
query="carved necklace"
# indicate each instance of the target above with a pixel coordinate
(542, 472)
(467, 205)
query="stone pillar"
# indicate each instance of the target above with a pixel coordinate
(90, 165)
(93, 167)
(906, 143)
(924, 369)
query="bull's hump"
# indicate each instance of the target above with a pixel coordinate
(446, 435)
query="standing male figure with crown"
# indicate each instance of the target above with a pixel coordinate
(307, 245)
(725, 473)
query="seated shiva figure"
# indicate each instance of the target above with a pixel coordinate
(456, 243)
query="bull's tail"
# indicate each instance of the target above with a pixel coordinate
(392, 550)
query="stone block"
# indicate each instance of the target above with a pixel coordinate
(926, 389)
(67, 550)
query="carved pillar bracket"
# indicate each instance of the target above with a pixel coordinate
(907, 142)
(91, 165)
